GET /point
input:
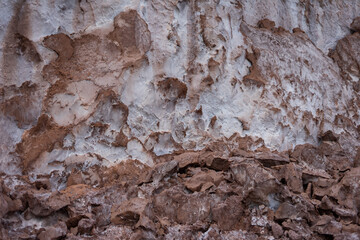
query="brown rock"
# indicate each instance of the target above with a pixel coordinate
(328, 136)
(160, 171)
(75, 178)
(227, 214)
(355, 25)
(15, 205)
(196, 182)
(327, 225)
(38, 139)
(293, 177)
(61, 44)
(347, 191)
(254, 78)
(102, 215)
(309, 154)
(54, 232)
(298, 30)
(188, 159)
(131, 33)
(85, 225)
(4, 206)
(351, 228)
(267, 24)
(322, 187)
(146, 223)
(357, 158)
(43, 203)
(327, 204)
(242, 153)
(286, 211)
(121, 140)
(177, 206)
(217, 163)
(269, 159)
(172, 88)
(294, 235)
(128, 212)
(347, 54)
(257, 183)
(276, 229)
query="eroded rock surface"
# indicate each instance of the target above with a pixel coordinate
(179, 119)
(246, 200)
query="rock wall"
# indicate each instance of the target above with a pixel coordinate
(93, 84)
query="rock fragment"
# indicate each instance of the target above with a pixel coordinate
(128, 212)
(54, 232)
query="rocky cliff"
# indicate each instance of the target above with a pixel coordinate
(221, 119)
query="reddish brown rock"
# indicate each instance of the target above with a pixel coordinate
(200, 179)
(128, 212)
(293, 177)
(173, 89)
(326, 225)
(75, 177)
(218, 164)
(38, 139)
(228, 214)
(286, 211)
(43, 203)
(329, 136)
(309, 154)
(61, 44)
(160, 171)
(182, 208)
(131, 32)
(254, 78)
(257, 183)
(4, 206)
(267, 24)
(355, 25)
(85, 225)
(188, 159)
(276, 229)
(347, 54)
(54, 232)
(269, 159)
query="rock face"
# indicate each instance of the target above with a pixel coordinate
(143, 119)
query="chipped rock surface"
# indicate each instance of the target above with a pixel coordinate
(179, 119)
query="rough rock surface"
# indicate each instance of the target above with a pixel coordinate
(179, 119)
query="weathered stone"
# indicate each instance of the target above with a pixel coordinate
(128, 212)
(327, 225)
(85, 225)
(187, 159)
(160, 171)
(196, 182)
(4, 206)
(54, 232)
(355, 25)
(227, 215)
(269, 159)
(43, 203)
(276, 229)
(293, 177)
(286, 211)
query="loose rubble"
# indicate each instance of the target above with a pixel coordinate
(192, 195)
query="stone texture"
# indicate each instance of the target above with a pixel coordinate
(179, 119)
